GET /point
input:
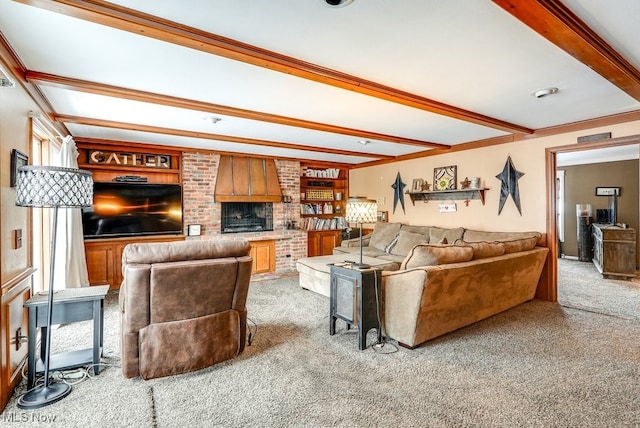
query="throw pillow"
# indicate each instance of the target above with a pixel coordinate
(432, 255)
(483, 250)
(383, 234)
(391, 244)
(423, 230)
(437, 235)
(408, 240)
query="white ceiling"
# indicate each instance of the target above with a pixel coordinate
(469, 54)
(608, 154)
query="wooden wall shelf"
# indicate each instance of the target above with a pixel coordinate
(445, 195)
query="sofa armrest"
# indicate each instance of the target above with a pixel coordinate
(355, 242)
(402, 298)
(134, 297)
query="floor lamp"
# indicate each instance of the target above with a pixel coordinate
(361, 210)
(51, 187)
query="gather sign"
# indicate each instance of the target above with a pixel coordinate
(146, 160)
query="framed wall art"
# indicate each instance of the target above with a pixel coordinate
(18, 159)
(417, 186)
(444, 178)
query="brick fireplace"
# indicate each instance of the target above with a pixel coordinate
(199, 173)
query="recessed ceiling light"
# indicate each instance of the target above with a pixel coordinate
(541, 93)
(212, 119)
(338, 3)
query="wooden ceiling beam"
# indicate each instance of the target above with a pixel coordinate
(555, 22)
(210, 108)
(208, 136)
(136, 22)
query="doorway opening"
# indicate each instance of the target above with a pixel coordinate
(575, 282)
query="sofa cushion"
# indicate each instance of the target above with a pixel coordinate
(432, 255)
(513, 241)
(392, 258)
(423, 230)
(408, 240)
(517, 245)
(355, 252)
(383, 234)
(483, 250)
(438, 235)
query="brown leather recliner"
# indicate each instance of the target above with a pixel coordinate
(183, 305)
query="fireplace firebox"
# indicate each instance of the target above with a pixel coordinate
(238, 217)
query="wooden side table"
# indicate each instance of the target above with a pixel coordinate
(69, 306)
(355, 298)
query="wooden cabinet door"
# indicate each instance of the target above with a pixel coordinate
(313, 244)
(100, 263)
(264, 256)
(322, 242)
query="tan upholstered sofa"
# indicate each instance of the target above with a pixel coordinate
(437, 280)
(183, 305)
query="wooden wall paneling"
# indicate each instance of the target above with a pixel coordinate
(104, 257)
(14, 322)
(107, 173)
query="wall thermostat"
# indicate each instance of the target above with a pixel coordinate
(193, 230)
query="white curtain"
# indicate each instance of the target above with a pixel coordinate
(71, 264)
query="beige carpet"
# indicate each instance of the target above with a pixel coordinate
(538, 365)
(581, 286)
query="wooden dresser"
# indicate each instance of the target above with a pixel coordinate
(614, 250)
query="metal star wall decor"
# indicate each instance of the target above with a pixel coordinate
(398, 193)
(509, 177)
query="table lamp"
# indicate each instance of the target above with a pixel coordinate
(51, 187)
(361, 210)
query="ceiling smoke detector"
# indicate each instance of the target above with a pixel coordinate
(544, 92)
(338, 3)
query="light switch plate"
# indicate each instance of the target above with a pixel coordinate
(447, 208)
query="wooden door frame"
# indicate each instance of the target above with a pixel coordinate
(548, 288)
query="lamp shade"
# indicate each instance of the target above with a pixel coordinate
(53, 186)
(361, 210)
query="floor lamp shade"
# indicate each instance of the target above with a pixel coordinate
(361, 210)
(51, 187)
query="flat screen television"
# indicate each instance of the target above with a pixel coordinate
(130, 209)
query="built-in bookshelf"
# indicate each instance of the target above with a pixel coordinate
(323, 195)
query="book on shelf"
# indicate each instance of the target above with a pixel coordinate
(315, 223)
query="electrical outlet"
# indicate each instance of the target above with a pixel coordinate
(380, 200)
(447, 208)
